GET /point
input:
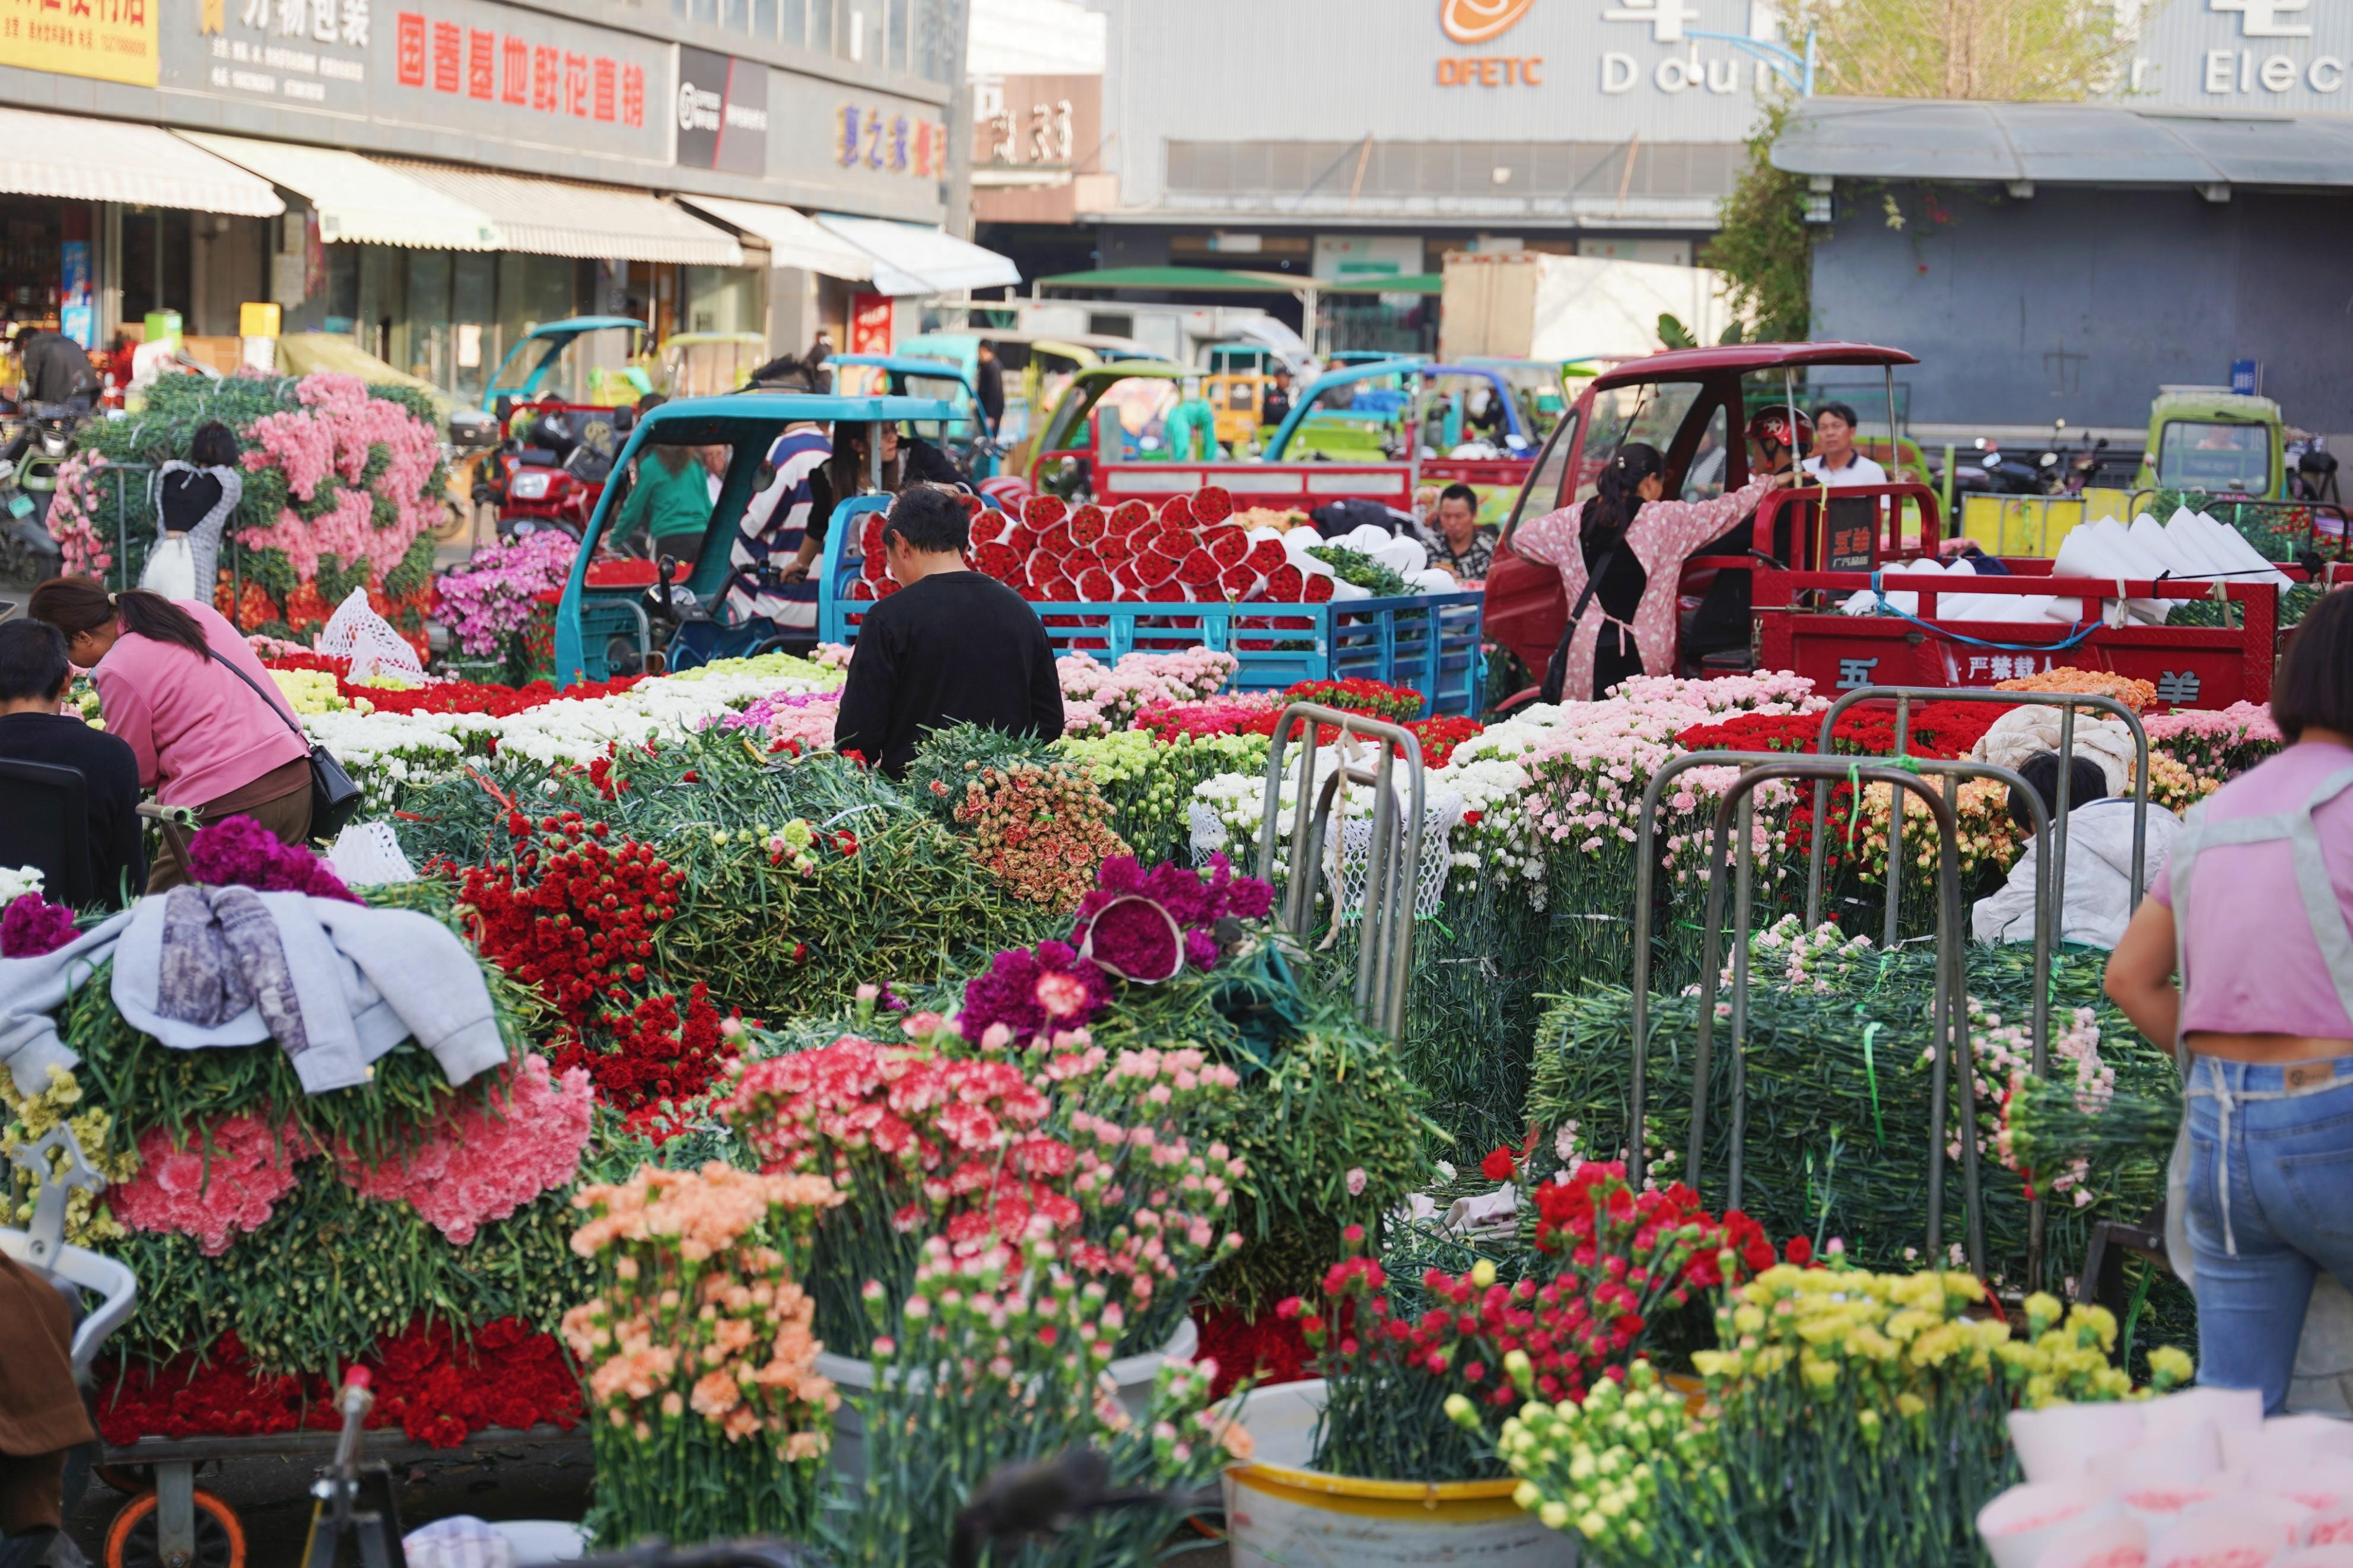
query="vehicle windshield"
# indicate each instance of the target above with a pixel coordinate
(1648, 412)
(2213, 454)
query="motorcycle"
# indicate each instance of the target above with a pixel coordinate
(551, 470)
(29, 462)
(1988, 471)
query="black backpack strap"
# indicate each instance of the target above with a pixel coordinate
(1557, 667)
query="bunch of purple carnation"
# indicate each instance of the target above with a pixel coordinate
(1129, 936)
(1033, 990)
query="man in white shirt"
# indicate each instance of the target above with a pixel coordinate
(1835, 462)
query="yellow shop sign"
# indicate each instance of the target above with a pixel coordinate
(113, 40)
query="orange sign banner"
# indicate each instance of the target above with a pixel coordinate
(113, 40)
(1479, 21)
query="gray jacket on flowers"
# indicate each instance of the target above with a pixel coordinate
(337, 985)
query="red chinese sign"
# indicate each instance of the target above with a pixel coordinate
(482, 64)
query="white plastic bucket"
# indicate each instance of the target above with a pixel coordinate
(1281, 1514)
(1132, 1376)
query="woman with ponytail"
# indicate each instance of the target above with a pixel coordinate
(167, 676)
(1620, 555)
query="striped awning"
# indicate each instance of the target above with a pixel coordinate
(359, 201)
(563, 218)
(794, 240)
(79, 159)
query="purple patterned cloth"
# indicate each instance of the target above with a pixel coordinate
(221, 955)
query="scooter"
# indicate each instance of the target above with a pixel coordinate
(551, 472)
(28, 483)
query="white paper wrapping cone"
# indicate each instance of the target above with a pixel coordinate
(2331, 1526)
(2228, 1524)
(1299, 541)
(2102, 1540)
(2318, 1483)
(1311, 567)
(2247, 558)
(1341, 590)
(2337, 1556)
(2019, 1524)
(2232, 1412)
(1401, 555)
(1431, 580)
(2056, 1443)
(2192, 541)
(1261, 533)
(1366, 538)
(2146, 532)
(2297, 1441)
(2187, 1457)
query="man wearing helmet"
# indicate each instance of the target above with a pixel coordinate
(1721, 622)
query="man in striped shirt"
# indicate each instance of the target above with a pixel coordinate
(774, 556)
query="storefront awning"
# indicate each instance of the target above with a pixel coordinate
(110, 161)
(912, 259)
(794, 240)
(561, 217)
(359, 201)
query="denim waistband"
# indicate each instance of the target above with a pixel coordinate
(2264, 1078)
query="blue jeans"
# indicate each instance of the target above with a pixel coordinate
(2267, 1213)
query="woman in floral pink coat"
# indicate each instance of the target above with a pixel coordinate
(1639, 544)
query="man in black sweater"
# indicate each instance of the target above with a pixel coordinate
(952, 646)
(33, 673)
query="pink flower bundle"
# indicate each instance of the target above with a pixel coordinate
(800, 721)
(485, 1162)
(225, 1182)
(976, 1146)
(33, 926)
(1098, 699)
(1145, 925)
(323, 447)
(491, 596)
(1233, 713)
(238, 851)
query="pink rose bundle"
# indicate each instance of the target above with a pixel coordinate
(485, 1162)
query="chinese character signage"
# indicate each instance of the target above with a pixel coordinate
(502, 74)
(890, 140)
(722, 112)
(115, 40)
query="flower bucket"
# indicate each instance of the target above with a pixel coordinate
(1131, 1376)
(1279, 1513)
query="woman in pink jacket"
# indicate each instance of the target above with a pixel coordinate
(1621, 556)
(167, 676)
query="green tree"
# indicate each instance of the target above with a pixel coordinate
(1764, 250)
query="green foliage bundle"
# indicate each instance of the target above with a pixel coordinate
(1838, 1080)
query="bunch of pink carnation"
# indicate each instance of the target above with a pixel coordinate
(485, 1162)
(224, 1182)
(323, 446)
(802, 720)
(1236, 713)
(1098, 700)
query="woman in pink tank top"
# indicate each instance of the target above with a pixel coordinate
(2255, 913)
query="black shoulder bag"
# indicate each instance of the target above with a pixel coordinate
(1556, 670)
(333, 796)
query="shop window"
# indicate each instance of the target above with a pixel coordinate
(936, 44)
(791, 20)
(736, 16)
(156, 245)
(822, 29)
(894, 34)
(722, 300)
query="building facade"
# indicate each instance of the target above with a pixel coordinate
(1350, 139)
(2065, 261)
(517, 161)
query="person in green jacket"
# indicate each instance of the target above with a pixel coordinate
(671, 500)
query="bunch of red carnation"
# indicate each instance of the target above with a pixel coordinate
(437, 1382)
(1619, 1261)
(574, 915)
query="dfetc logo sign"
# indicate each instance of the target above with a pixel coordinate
(1473, 22)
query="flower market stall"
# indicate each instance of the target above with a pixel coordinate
(801, 1096)
(342, 490)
